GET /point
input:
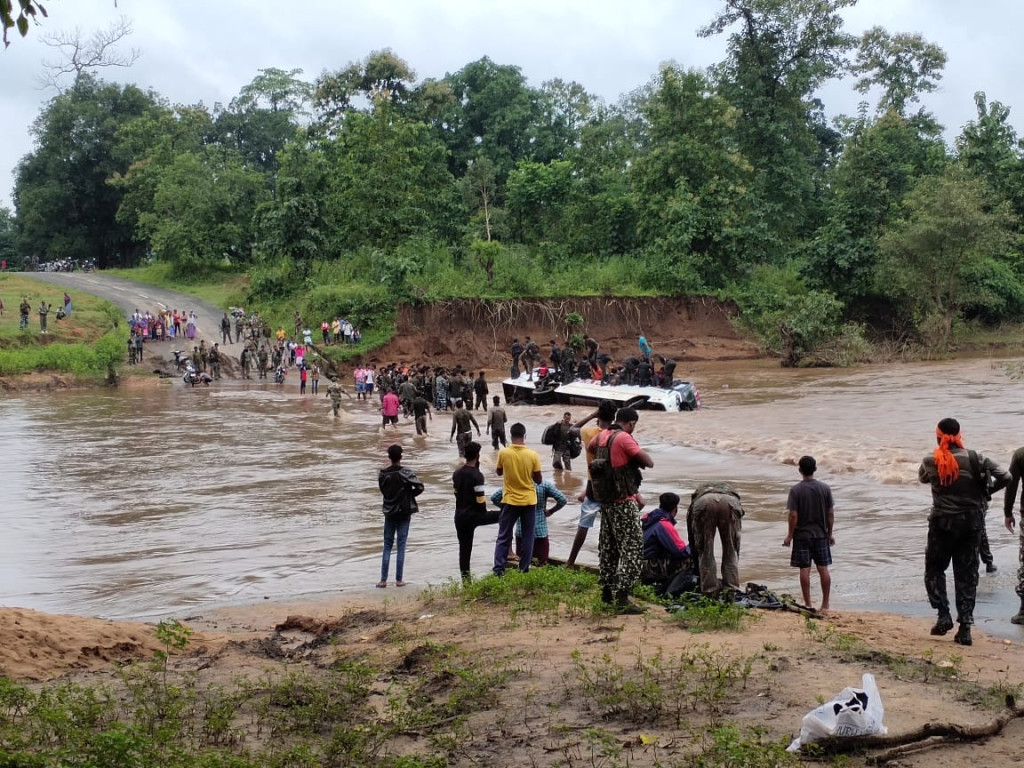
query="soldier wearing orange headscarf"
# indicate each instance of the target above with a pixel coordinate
(961, 488)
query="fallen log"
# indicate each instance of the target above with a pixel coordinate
(927, 736)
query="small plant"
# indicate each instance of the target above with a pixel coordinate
(542, 591)
(704, 614)
(728, 747)
(831, 637)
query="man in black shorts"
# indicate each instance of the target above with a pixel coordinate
(811, 517)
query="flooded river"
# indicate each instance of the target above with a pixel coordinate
(145, 503)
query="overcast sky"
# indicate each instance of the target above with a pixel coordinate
(206, 50)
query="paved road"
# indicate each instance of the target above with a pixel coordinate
(129, 296)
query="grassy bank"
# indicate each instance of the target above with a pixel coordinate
(87, 342)
(527, 669)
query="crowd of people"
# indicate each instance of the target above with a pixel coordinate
(563, 366)
(648, 547)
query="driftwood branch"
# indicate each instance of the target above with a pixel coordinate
(927, 736)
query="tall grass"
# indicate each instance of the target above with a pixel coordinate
(78, 358)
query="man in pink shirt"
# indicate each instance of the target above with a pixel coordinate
(389, 405)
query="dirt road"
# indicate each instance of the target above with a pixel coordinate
(129, 296)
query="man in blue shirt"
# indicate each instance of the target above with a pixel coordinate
(645, 347)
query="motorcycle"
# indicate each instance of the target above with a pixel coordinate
(193, 377)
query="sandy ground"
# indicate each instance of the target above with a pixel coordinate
(922, 679)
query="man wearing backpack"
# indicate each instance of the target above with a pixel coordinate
(563, 434)
(613, 472)
(957, 515)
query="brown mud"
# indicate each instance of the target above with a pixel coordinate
(477, 333)
(543, 711)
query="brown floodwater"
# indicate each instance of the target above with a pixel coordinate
(144, 503)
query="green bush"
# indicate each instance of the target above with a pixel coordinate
(789, 320)
(272, 283)
(66, 358)
(365, 306)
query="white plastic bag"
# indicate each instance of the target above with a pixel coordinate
(854, 712)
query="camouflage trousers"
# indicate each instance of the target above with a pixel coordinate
(1020, 570)
(953, 539)
(620, 545)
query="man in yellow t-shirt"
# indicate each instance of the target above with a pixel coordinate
(519, 468)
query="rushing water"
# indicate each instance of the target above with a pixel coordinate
(143, 503)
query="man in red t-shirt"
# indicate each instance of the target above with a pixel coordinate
(620, 546)
(389, 409)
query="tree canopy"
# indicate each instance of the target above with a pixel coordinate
(476, 182)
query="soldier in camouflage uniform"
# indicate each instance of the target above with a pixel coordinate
(335, 391)
(620, 546)
(959, 499)
(1016, 470)
(715, 512)
(261, 362)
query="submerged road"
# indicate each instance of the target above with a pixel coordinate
(129, 296)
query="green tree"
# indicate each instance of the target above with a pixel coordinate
(294, 227)
(203, 210)
(600, 217)
(882, 161)
(379, 182)
(65, 207)
(382, 76)
(149, 144)
(903, 66)
(536, 197)
(8, 247)
(692, 184)
(391, 183)
(479, 193)
(989, 147)
(780, 53)
(494, 113)
(952, 233)
(263, 118)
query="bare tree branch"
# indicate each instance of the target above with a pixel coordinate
(79, 54)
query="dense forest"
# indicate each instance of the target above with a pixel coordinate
(369, 186)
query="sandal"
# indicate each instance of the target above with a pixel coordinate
(381, 584)
(399, 583)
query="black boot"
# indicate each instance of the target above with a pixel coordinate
(991, 568)
(943, 625)
(963, 635)
(606, 595)
(624, 607)
(1019, 618)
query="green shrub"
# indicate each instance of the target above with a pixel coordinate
(80, 359)
(365, 306)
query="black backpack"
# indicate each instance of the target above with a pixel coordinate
(575, 446)
(550, 435)
(607, 483)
